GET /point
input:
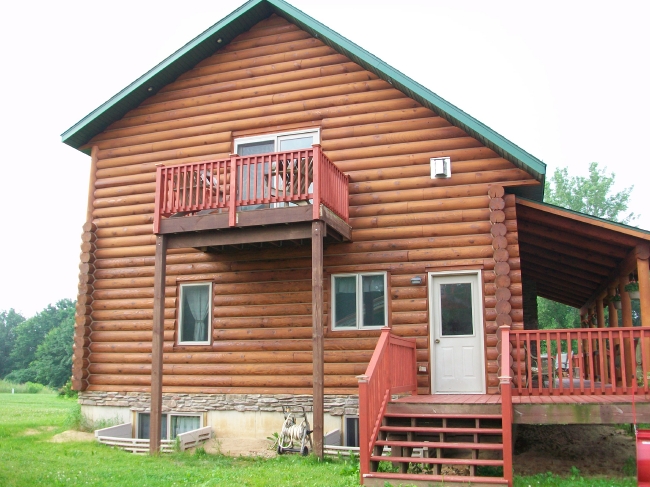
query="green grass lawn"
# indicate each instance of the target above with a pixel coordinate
(27, 458)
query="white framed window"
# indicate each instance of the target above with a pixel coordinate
(279, 142)
(171, 424)
(195, 313)
(359, 301)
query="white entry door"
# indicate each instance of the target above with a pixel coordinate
(456, 324)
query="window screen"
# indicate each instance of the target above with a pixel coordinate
(253, 148)
(296, 143)
(373, 300)
(144, 422)
(345, 288)
(183, 424)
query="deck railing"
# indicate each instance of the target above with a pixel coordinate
(581, 361)
(392, 370)
(304, 176)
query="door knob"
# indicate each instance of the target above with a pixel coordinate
(437, 340)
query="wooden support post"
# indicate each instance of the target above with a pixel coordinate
(613, 312)
(505, 383)
(600, 320)
(318, 229)
(316, 163)
(626, 313)
(232, 205)
(157, 343)
(643, 272)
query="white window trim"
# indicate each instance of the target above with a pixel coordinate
(180, 312)
(169, 420)
(359, 301)
(276, 138)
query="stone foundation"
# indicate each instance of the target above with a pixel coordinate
(199, 403)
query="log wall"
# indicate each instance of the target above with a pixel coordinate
(273, 78)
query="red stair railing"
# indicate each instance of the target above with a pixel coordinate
(392, 370)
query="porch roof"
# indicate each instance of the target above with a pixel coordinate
(575, 257)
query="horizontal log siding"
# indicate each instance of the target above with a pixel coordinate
(276, 77)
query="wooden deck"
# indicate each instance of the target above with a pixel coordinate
(587, 409)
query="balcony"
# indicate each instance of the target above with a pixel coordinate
(266, 198)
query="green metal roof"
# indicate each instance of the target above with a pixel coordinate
(242, 20)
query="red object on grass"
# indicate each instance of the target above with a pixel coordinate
(643, 458)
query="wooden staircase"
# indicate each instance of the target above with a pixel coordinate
(431, 445)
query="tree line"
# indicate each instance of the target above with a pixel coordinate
(38, 349)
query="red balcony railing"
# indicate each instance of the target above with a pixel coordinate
(392, 370)
(581, 361)
(303, 176)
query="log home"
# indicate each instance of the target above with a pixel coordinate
(277, 217)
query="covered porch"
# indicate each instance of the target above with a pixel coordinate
(600, 268)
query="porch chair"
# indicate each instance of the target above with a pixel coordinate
(542, 363)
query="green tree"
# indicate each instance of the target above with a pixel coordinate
(593, 195)
(9, 320)
(53, 363)
(31, 333)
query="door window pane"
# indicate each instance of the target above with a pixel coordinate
(297, 143)
(253, 148)
(373, 300)
(183, 424)
(345, 313)
(456, 309)
(195, 313)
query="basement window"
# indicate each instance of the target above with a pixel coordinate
(359, 301)
(351, 431)
(174, 424)
(195, 315)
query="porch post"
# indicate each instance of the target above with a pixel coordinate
(600, 320)
(613, 312)
(643, 272)
(157, 341)
(317, 231)
(626, 313)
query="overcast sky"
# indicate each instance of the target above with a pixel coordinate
(566, 81)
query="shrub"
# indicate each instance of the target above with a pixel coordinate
(33, 388)
(66, 390)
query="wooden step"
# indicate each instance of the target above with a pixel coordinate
(378, 479)
(442, 416)
(440, 444)
(440, 461)
(438, 429)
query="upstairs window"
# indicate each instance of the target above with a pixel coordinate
(280, 142)
(359, 301)
(195, 317)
